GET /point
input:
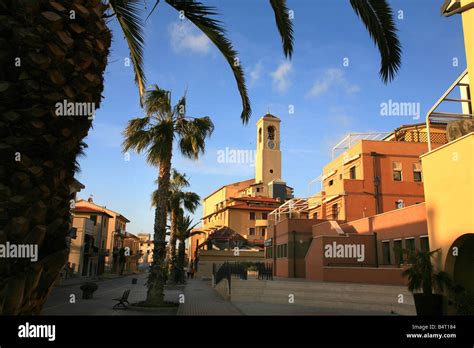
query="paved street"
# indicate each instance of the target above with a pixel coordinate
(102, 303)
(199, 299)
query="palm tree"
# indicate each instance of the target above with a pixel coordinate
(48, 58)
(184, 231)
(177, 199)
(154, 135)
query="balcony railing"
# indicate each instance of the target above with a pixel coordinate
(416, 136)
(261, 222)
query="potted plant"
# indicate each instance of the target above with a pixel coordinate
(88, 290)
(425, 283)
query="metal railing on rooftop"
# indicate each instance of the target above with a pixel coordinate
(352, 138)
(443, 117)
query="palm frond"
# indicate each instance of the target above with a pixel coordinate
(199, 15)
(378, 19)
(136, 135)
(157, 101)
(128, 14)
(153, 9)
(154, 198)
(284, 25)
(191, 201)
(178, 180)
(192, 135)
(162, 135)
(180, 107)
(185, 227)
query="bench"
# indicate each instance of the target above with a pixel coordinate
(123, 301)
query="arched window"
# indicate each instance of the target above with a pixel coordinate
(260, 135)
(271, 133)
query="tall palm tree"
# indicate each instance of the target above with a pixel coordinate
(48, 58)
(184, 231)
(154, 135)
(176, 201)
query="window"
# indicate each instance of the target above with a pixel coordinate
(263, 231)
(417, 172)
(386, 252)
(335, 211)
(252, 231)
(352, 172)
(252, 215)
(410, 244)
(271, 133)
(260, 135)
(424, 243)
(315, 215)
(397, 171)
(94, 219)
(399, 204)
(331, 182)
(264, 216)
(282, 250)
(258, 189)
(398, 251)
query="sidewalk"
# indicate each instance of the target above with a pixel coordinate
(101, 304)
(201, 299)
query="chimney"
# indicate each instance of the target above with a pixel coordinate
(90, 199)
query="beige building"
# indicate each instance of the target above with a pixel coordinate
(146, 248)
(88, 249)
(243, 207)
(116, 231)
(132, 244)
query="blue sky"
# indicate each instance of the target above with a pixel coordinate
(329, 99)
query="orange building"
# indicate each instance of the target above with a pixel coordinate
(372, 196)
(375, 176)
(298, 246)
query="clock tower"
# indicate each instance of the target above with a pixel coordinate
(268, 159)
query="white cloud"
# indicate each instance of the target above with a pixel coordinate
(280, 76)
(184, 36)
(255, 73)
(332, 78)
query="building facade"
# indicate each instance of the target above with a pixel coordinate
(146, 249)
(375, 176)
(116, 232)
(88, 249)
(243, 206)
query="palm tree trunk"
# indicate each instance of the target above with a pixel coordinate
(45, 59)
(156, 278)
(180, 262)
(172, 248)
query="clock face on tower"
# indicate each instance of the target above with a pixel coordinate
(271, 144)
